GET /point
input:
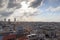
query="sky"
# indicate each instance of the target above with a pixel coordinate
(30, 10)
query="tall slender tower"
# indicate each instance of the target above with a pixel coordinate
(4, 19)
(8, 20)
(14, 19)
(14, 28)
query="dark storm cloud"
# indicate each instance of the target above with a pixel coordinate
(11, 4)
(36, 3)
(1, 4)
(6, 14)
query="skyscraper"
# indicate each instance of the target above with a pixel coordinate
(4, 19)
(8, 20)
(14, 19)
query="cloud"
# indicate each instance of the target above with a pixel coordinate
(53, 9)
(3, 4)
(21, 8)
(7, 7)
(26, 10)
(5, 14)
(13, 3)
(53, 0)
(35, 3)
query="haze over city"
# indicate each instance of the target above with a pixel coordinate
(30, 10)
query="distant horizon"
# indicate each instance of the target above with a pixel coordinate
(28, 21)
